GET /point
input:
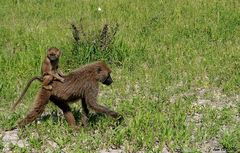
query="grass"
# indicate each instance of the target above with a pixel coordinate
(175, 69)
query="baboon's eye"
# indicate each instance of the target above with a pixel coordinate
(99, 69)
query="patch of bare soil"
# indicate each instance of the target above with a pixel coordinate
(10, 138)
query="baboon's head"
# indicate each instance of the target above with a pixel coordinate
(53, 53)
(103, 73)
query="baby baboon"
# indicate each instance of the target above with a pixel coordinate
(50, 68)
(79, 84)
(49, 72)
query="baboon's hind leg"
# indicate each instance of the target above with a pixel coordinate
(66, 111)
(38, 108)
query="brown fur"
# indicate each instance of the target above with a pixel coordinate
(50, 68)
(49, 72)
(79, 84)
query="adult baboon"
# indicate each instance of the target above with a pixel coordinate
(49, 71)
(79, 84)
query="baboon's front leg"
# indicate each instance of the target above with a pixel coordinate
(85, 113)
(102, 109)
(38, 108)
(91, 100)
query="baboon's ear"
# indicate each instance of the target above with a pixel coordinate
(98, 69)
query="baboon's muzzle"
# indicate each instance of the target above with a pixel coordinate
(108, 81)
(52, 58)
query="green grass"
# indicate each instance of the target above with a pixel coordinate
(164, 55)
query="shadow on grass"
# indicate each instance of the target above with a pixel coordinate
(56, 117)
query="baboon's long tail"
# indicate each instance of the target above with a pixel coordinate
(25, 90)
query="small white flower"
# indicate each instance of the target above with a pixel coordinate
(99, 9)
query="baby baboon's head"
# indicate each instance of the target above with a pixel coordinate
(53, 53)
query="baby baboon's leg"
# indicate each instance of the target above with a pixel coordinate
(85, 113)
(67, 112)
(38, 108)
(46, 80)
